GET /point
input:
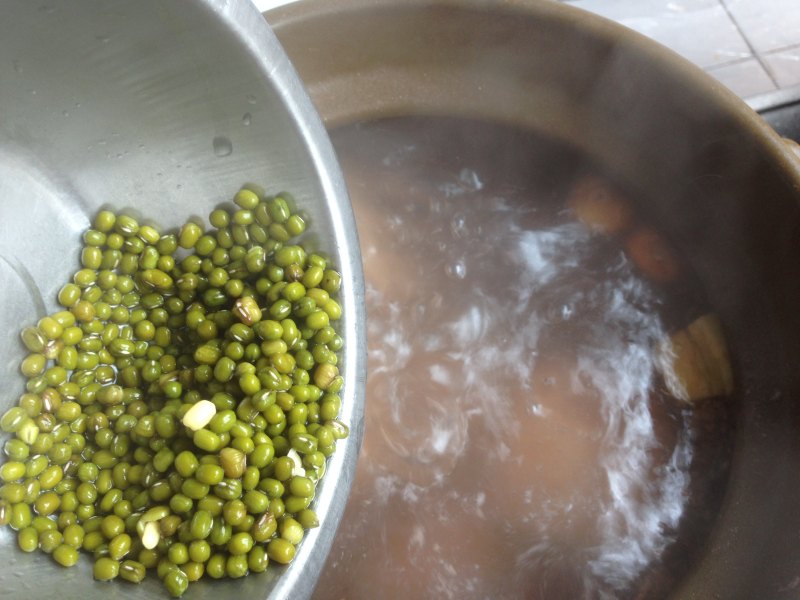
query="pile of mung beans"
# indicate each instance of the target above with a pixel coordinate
(180, 409)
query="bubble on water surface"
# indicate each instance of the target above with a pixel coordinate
(456, 270)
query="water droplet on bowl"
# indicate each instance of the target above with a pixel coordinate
(251, 99)
(246, 119)
(222, 146)
(17, 66)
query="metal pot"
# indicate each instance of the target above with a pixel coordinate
(708, 170)
(164, 109)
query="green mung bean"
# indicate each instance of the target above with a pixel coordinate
(99, 445)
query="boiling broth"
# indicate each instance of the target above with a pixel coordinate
(520, 442)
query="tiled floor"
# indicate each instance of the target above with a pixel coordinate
(752, 46)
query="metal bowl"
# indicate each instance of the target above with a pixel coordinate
(163, 109)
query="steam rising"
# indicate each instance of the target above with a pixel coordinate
(512, 447)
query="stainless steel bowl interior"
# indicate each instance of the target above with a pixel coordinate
(164, 109)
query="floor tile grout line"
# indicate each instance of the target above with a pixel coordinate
(794, 46)
(756, 54)
(729, 63)
(743, 59)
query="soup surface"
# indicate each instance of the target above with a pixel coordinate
(522, 440)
